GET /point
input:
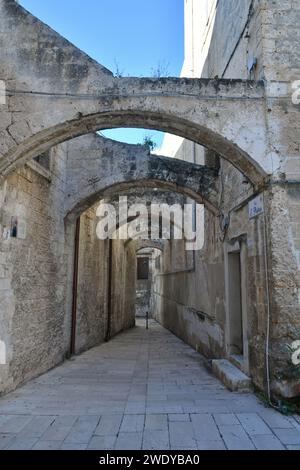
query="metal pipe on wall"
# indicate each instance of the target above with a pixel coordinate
(75, 287)
(109, 291)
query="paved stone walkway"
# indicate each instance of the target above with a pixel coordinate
(143, 390)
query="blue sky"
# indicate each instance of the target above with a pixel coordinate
(134, 36)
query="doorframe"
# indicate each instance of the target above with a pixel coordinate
(237, 246)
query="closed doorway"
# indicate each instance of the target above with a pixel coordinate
(236, 304)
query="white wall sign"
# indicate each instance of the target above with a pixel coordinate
(2, 92)
(256, 207)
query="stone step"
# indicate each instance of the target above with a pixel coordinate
(232, 377)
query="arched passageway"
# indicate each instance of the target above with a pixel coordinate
(136, 114)
(226, 116)
(100, 167)
(117, 273)
(154, 244)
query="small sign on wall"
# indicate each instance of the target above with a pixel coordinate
(18, 228)
(2, 353)
(6, 233)
(256, 207)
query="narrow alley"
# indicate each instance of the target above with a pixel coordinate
(145, 389)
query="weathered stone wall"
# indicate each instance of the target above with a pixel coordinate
(93, 290)
(93, 260)
(37, 78)
(32, 272)
(281, 53)
(230, 19)
(129, 287)
(191, 288)
(36, 275)
(123, 287)
(99, 167)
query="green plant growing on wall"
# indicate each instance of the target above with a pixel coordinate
(119, 73)
(149, 142)
(161, 69)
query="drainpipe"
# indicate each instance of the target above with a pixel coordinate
(75, 287)
(267, 345)
(109, 290)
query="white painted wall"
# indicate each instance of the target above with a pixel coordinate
(199, 17)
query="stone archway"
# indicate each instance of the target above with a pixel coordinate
(80, 96)
(141, 244)
(147, 198)
(100, 168)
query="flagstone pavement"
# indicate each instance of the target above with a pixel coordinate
(145, 389)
